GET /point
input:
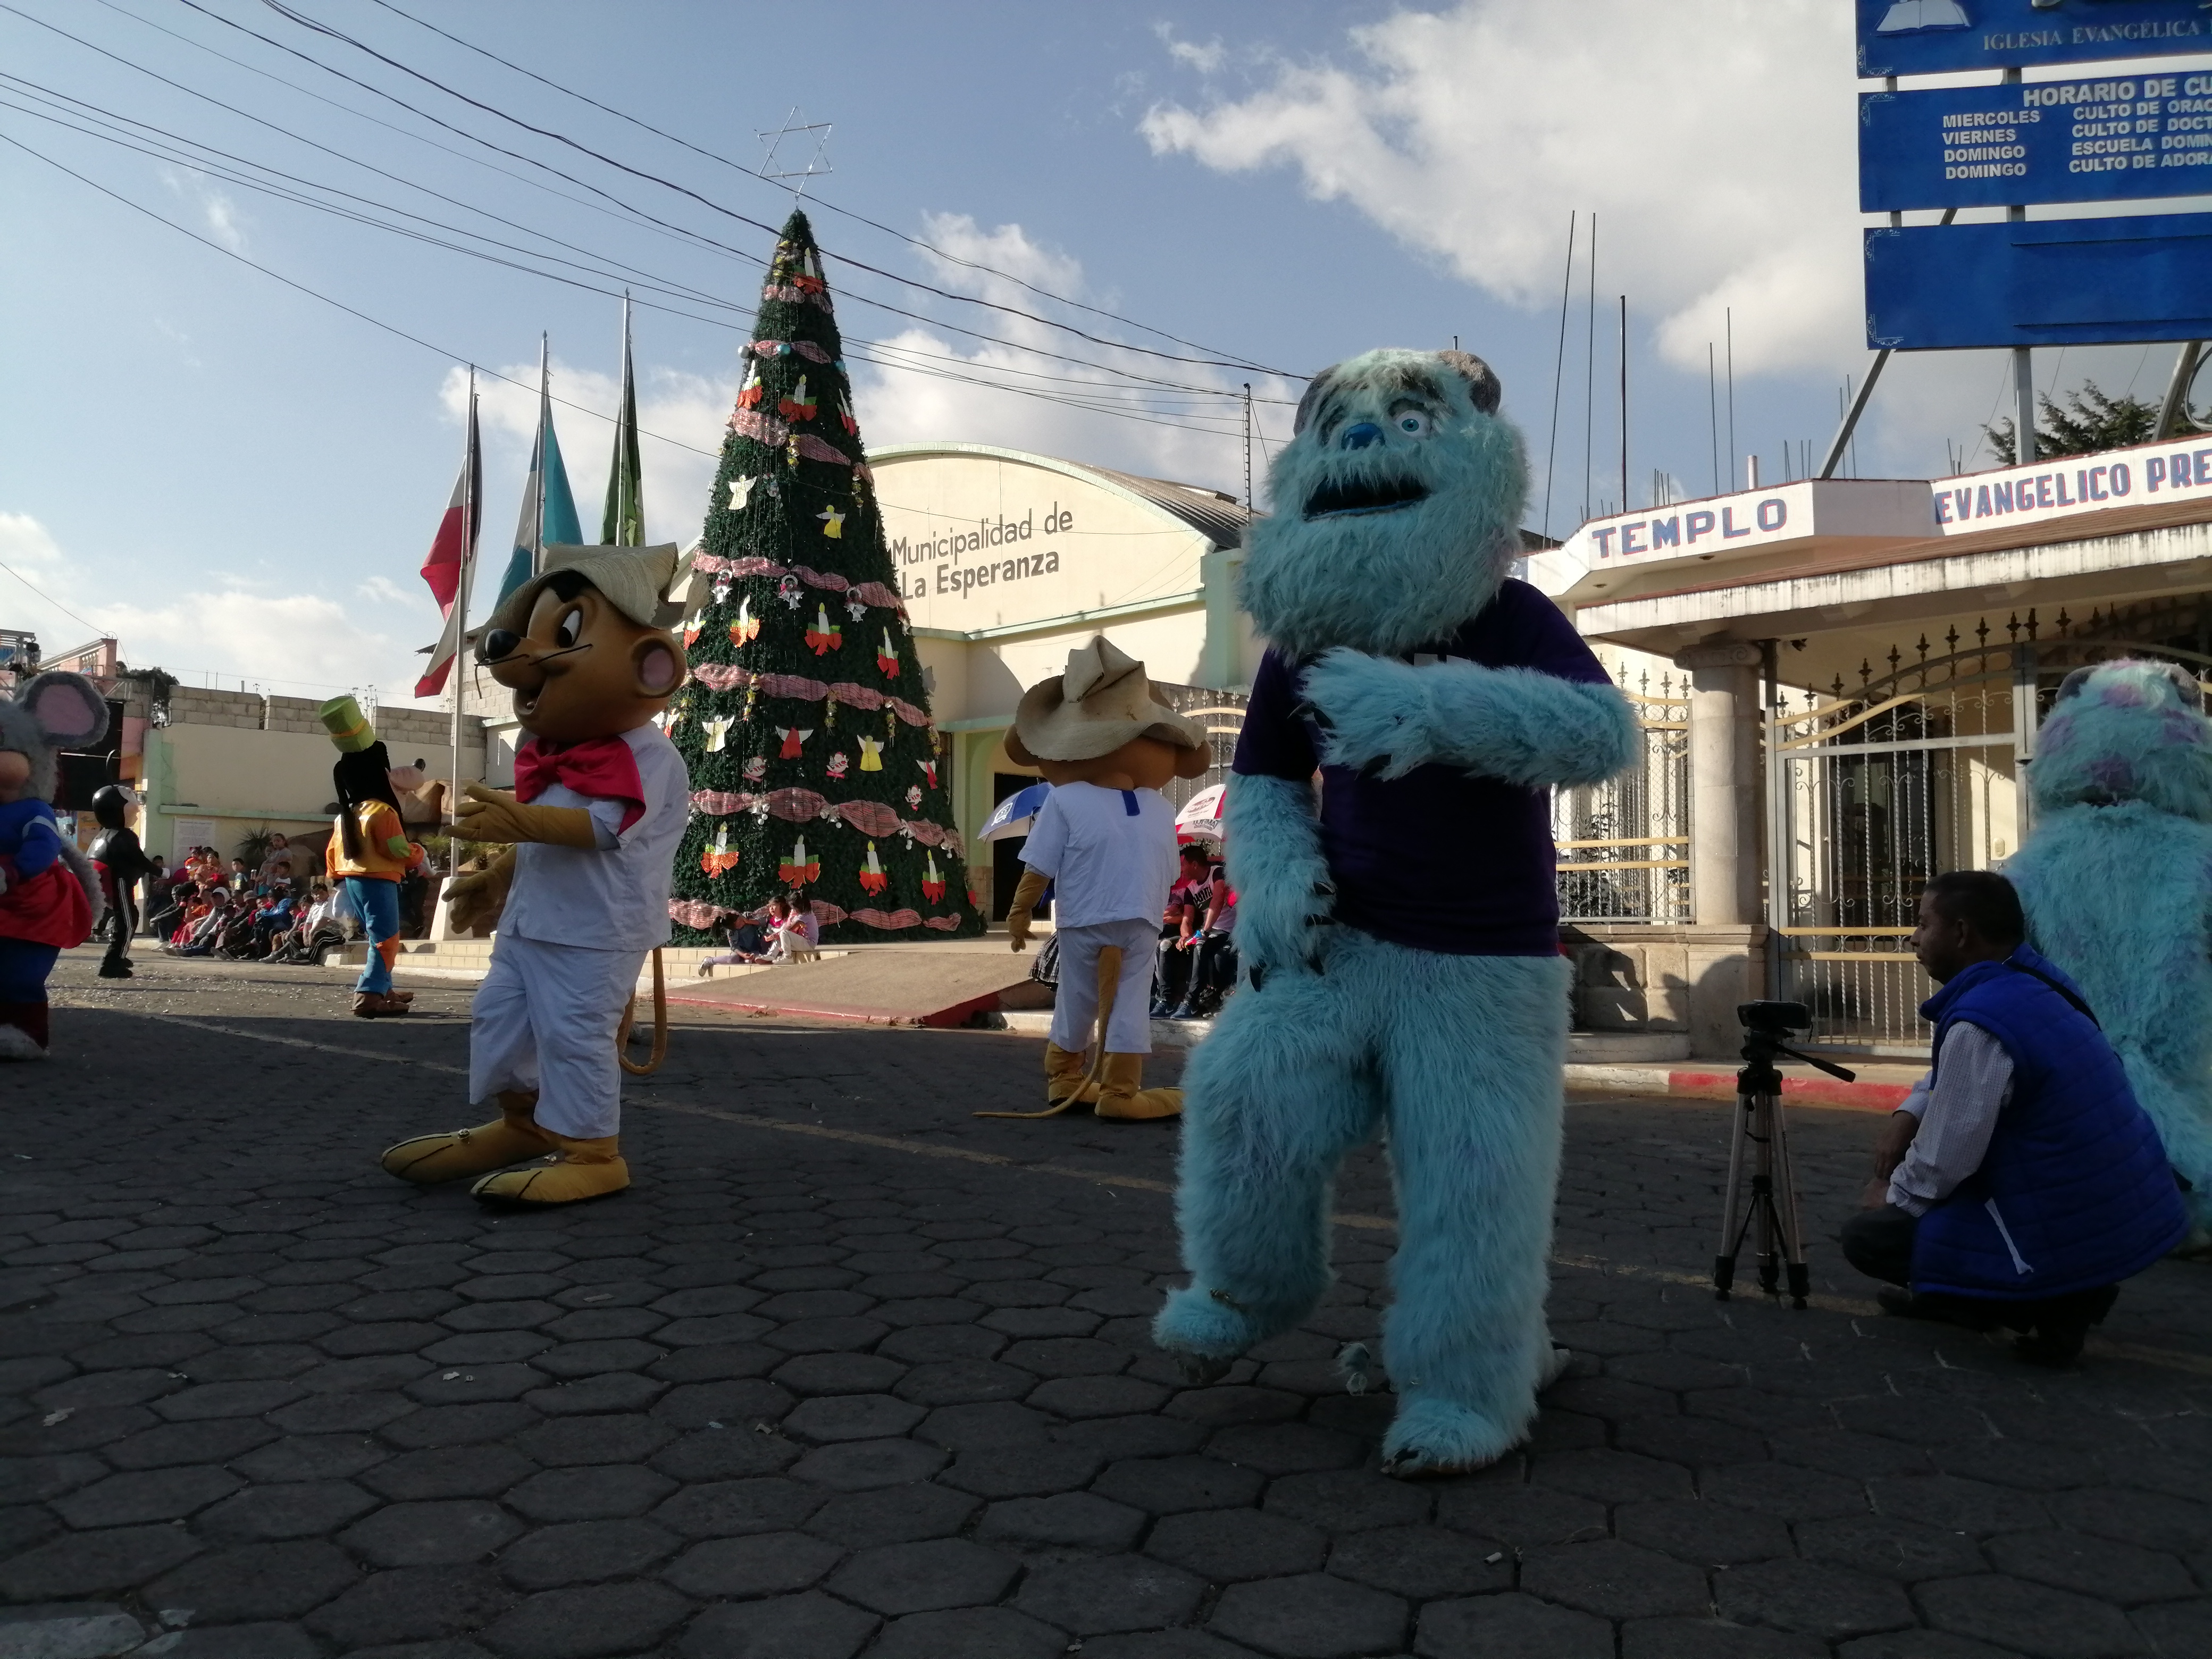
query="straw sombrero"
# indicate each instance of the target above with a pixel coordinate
(1101, 702)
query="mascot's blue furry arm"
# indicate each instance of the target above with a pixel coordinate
(1276, 866)
(1425, 1000)
(1516, 723)
(2115, 878)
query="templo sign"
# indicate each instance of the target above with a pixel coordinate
(1606, 556)
(1932, 37)
(2102, 138)
(2039, 282)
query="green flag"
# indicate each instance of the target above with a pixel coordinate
(623, 523)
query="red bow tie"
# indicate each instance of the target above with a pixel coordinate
(602, 768)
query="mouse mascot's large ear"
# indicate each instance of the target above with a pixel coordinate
(71, 714)
(68, 708)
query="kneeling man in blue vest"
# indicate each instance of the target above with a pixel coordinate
(2021, 1182)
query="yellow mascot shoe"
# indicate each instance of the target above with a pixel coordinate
(1120, 1095)
(513, 1137)
(584, 1169)
(1063, 1077)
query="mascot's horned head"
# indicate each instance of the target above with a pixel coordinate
(2126, 730)
(1396, 507)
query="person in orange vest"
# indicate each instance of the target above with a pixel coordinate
(368, 851)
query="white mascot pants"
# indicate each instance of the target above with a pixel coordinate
(546, 1018)
(1075, 1007)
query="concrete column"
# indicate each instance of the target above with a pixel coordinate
(1724, 794)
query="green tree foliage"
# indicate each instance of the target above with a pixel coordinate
(814, 764)
(2090, 421)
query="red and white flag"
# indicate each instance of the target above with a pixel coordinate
(452, 560)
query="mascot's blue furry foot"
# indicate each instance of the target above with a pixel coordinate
(1206, 1332)
(1433, 1437)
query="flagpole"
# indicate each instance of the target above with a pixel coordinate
(461, 629)
(544, 460)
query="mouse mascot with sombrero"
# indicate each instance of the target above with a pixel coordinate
(599, 803)
(1105, 841)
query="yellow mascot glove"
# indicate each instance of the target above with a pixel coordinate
(1034, 882)
(474, 901)
(495, 815)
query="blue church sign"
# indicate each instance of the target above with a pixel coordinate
(2102, 137)
(2043, 282)
(1933, 37)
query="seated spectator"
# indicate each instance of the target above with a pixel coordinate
(749, 939)
(277, 862)
(272, 918)
(1213, 973)
(1179, 930)
(799, 936)
(318, 929)
(241, 879)
(2021, 1182)
(199, 937)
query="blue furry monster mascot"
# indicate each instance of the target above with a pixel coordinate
(1402, 938)
(2115, 878)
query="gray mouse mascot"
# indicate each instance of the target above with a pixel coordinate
(1400, 932)
(50, 889)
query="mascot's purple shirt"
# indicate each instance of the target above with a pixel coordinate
(1439, 859)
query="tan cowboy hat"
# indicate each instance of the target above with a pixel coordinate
(1101, 702)
(635, 580)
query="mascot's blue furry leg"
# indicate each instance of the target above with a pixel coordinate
(2184, 1117)
(1471, 1059)
(1272, 1102)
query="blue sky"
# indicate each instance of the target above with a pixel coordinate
(239, 480)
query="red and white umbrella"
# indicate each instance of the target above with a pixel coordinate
(1201, 816)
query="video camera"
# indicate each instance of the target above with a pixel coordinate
(1774, 1019)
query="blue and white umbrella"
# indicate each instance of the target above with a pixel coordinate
(1014, 815)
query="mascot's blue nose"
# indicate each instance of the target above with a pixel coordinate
(1359, 436)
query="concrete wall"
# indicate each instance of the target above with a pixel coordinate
(231, 762)
(1631, 977)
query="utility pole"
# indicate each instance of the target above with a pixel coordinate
(1624, 403)
(2023, 362)
(1248, 446)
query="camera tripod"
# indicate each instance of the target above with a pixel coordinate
(1771, 1203)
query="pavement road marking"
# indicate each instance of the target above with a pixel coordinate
(1852, 1306)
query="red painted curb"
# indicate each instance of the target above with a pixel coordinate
(1803, 1090)
(958, 1014)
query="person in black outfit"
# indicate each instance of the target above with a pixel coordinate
(123, 864)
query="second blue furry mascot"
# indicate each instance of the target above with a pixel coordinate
(2117, 881)
(1402, 933)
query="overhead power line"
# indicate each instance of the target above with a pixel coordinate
(458, 357)
(861, 218)
(708, 203)
(630, 212)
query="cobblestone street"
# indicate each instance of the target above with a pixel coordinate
(850, 1372)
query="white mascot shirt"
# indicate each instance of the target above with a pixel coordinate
(614, 897)
(1106, 863)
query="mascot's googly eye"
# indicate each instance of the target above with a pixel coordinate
(1412, 420)
(570, 630)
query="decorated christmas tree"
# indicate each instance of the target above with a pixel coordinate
(814, 764)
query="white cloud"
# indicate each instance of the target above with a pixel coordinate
(922, 384)
(217, 211)
(384, 588)
(1713, 138)
(26, 546)
(288, 642)
(680, 419)
(227, 629)
(1207, 59)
